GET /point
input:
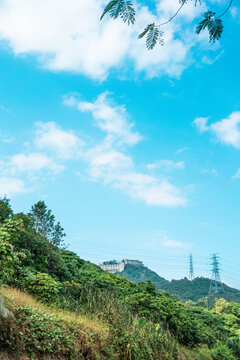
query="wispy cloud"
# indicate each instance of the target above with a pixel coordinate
(5, 109)
(236, 175)
(109, 117)
(108, 161)
(161, 238)
(201, 124)
(50, 136)
(181, 150)
(166, 165)
(31, 163)
(104, 158)
(226, 130)
(210, 171)
(11, 186)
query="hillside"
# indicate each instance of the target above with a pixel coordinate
(184, 288)
(55, 305)
(142, 273)
(198, 288)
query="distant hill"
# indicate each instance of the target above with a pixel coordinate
(142, 273)
(198, 288)
(184, 288)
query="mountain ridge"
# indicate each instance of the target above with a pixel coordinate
(186, 289)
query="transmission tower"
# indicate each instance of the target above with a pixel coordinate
(216, 286)
(191, 273)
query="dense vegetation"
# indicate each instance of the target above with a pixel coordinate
(198, 288)
(186, 290)
(142, 273)
(56, 305)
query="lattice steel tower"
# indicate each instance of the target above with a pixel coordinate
(191, 272)
(216, 286)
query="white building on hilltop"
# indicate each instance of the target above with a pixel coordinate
(119, 266)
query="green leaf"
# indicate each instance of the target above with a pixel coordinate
(152, 37)
(121, 8)
(116, 9)
(214, 26)
(109, 6)
(145, 31)
(128, 13)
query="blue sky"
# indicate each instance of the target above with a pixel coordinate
(136, 152)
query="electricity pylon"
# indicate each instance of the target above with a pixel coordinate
(216, 286)
(191, 272)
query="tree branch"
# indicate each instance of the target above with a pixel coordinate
(183, 3)
(229, 5)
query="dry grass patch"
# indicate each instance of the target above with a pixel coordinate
(20, 298)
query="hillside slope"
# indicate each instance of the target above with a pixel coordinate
(39, 331)
(198, 288)
(142, 273)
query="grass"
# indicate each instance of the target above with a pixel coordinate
(43, 332)
(17, 298)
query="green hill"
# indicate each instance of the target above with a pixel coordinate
(184, 288)
(142, 273)
(198, 288)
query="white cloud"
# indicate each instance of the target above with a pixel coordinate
(211, 172)
(155, 193)
(107, 161)
(212, 59)
(163, 239)
(111, 118)
(181, 150)
(226, 130)
(236, 175)
(68, 35)
(5, 109)
(6, 139)
(50, 136)
(234, 12)
(201, 124)
(167, 165)
(33, 162)
(11, 186)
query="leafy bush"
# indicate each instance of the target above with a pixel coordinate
(44, 287)
(222, 352)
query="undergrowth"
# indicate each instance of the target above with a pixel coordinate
(99, 328)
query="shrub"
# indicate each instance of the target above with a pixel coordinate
(44, 287)
(222, 352)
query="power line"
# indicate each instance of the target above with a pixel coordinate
(170, 261)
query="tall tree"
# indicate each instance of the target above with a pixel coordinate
(57, 235)
(5, 209)
(43, 219)
(44, 224)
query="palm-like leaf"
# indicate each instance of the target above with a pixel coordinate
(214, 26)
(128, 13)
(153, 35)
(145, 31)
(109, 6)
(122, 8)
(116, 9)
